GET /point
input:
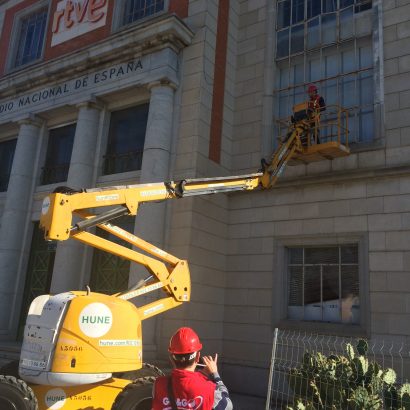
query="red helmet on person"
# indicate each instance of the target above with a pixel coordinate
(184, 341)
(312, 89)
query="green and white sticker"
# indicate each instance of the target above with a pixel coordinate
(95, 320)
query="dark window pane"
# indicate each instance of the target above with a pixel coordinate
(126, 140)
(349, 254)
(298, 11)
(312, 285)
(329, 28)
(346, 3)
(297, 39)
(282, 43)
(31, 37)
(7, 149)
(295, 306)
(39, 273)
(296, 286)
(366, 120)
(365, 84)
(329, 5)
(362, 5)
(313, 8)
(321, 255)
(58, 157)
(330, 289)
(313, 33)
(110, 273)
(283, 14)
(330, 283)
(138, 9)
(348, 92)
(350, 294)
(366, 57)
(296, 256)
(346, 23)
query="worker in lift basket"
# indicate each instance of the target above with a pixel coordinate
(186, 388)
(316, 101)
(315, 105)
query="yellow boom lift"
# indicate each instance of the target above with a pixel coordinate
(75, 341)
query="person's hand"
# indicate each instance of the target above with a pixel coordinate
(211, 364)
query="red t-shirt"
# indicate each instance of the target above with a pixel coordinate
(192, 391)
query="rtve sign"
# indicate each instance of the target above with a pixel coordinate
(73, 18)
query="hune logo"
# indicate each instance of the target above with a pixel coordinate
(55, 399)
(95, 320)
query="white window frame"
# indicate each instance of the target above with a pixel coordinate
(15, 36)
(376, 39)
(118, 16)
(281, 288)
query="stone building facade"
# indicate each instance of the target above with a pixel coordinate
(101, 93)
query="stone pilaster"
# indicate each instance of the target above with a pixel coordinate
(150, 220)
(14, 222)
(69, 261)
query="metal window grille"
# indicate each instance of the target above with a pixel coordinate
(39, 272)
(138, 9)
(7, 149)
(323, 284)
(317, 43)
(31, 37)
(59, 149)
(110, 273)
(126, 139)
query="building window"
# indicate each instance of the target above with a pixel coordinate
(126, 140)
(7, 149)
(138, 9)
(323, 284)
(58, 157)
(328, 43)
(39, 272)
(110, 273)
(30, 37)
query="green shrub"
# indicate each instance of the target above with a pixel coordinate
(346, 382)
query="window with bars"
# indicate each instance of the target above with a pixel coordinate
(323, 284)
(110, 273)
(7, 149)
(58, 157)
(328, 43)
(126, 139)
(138, 9)
(30, 37)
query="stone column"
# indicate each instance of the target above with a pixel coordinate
(151, 217)
(156, 159)
(13, 230)
(69, 260)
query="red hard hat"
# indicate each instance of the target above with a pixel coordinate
(184, 341)
(312, 88)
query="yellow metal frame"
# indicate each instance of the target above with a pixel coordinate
(167, 272)
(99, 396)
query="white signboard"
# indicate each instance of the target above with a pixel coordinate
(73, 18)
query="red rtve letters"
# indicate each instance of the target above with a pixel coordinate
(80, 8)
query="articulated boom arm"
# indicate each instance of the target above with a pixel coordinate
(166, 271)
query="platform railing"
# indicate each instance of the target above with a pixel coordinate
(330, 125)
